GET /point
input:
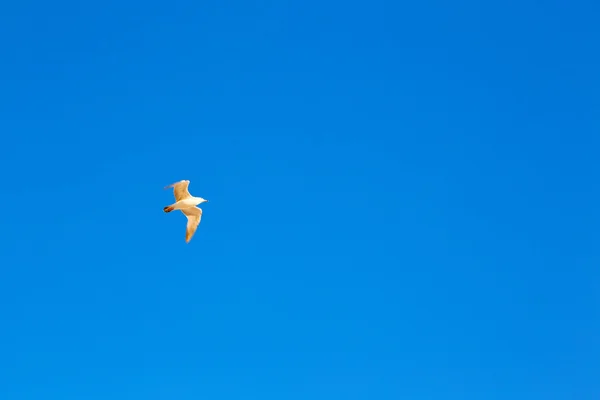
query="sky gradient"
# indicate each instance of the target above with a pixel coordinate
(403, 200)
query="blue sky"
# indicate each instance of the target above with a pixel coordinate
(403, 200)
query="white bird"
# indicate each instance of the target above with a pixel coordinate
(186, 203)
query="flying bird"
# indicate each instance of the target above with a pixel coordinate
(186, 203)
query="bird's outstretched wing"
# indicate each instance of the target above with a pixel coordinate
(180, 189)
(193, 214)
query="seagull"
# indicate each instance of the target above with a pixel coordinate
(186, 203)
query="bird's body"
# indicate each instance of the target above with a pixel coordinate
(186, 203)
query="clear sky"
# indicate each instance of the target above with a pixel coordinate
(403, 200)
